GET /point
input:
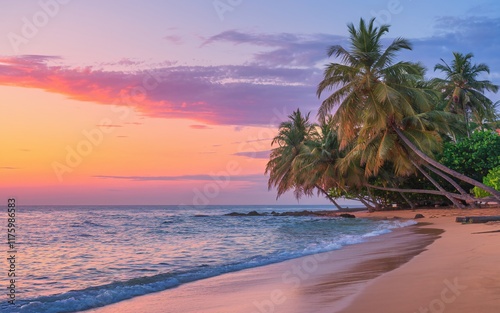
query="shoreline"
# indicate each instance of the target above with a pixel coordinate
(454, 271)
(458, 273)
(295, 285)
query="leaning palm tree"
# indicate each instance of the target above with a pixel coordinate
(291, 138)
(367, 82)
(383, 109)
(294, 139)
(464, 92)
(316, 167)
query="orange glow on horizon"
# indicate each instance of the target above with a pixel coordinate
(48, 133)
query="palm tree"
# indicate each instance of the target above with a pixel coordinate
(375, 93)
(368, 82)
(464, 92)
(317, 169)
(383, 109)
(291, 139)
(286, 170)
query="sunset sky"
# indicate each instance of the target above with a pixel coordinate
(176, 102)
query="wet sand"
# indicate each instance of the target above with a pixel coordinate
(438, 266)
(459, 273)
(322, 282)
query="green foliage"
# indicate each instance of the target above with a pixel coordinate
(373, 96)
(464, 91)
(492, 180)
(388, 122)
(474, 156)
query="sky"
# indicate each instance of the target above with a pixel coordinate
(176, 102)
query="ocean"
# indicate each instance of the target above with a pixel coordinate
(74, 258)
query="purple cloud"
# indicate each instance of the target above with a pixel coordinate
(254, 154)
(230, 95)
(199, 127)
(290, 49)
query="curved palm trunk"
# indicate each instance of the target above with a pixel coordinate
(374, 200)
(424, 191)
(447, 178)
(411, 204)
(329, 198)
(365, 203)
(438, 186)
(470, 201)
(423, 156)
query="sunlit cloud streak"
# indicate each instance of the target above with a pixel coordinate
(254, 154)
(201, 177)
(230, 95)
(283, 75)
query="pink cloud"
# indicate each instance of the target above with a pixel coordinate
(174, 39)
(231, 95)
(200, 127)
(109, 125)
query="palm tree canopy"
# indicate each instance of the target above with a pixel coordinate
(372, 94)
(304, 159)
(369, 87)
(463, 90)
(292, 138)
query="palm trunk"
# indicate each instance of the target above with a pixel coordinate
(329, 198)
(443, 168)
(466, 116)
(471, 200)
(448, 179)
(424, 191)
(365, 203)
(412, 205)
(438, 186)
(377, 205)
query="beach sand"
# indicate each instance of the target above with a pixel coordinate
(439, 266)
(458, 273)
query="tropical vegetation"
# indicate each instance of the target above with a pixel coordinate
(383, 126)
(492, 180)
(464, 93)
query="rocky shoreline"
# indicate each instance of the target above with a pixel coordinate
(299, 213)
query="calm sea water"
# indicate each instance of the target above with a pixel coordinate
(75, 258)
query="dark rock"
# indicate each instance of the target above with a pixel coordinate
(347, 215)
(417, 216)
(251, 213)
(254, 213)
(235, 214)
(293, 213)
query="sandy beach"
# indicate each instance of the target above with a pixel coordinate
(437, 266)
(458, 273)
